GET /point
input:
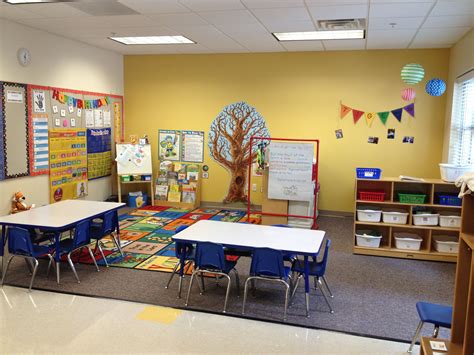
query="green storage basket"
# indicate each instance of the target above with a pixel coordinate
(411, 198)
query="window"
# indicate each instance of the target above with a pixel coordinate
(461, 143)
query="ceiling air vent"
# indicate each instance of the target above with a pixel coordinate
(341, 24)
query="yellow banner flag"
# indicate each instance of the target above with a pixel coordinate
(369, 118)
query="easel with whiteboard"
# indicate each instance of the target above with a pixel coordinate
(134, 160)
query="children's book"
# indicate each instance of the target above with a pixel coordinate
(161, 192)
(174, 196)
(189, 196)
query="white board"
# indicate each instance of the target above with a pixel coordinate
(133, 159)
(290, 171)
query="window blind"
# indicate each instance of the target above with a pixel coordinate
(461, 143)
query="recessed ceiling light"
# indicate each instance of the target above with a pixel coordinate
(153, 40)
(319, 35)
(22, 2)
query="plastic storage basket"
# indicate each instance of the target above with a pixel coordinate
(395, 216)
(368, 173)
(449, 200)
(411, 198)
(407, 241)
(425, 219)
(449, 219)
(368, 214)
(446, 244)
(378, 196)
(368, 238)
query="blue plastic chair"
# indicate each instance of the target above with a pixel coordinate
(20, 245)
(81, 239)
(267, 264)
(317, 269)
(210, 259)
(436, 314)
(181, 248)
(107, 227)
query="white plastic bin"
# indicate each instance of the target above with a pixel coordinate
(425, 219)
(407, 241)
(368, 238)
(449, 219)
(446, 244)
(369, 214)
(395, 216)
(450, 172)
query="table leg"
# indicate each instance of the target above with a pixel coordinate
(57, 256)
(306, 283)
(117, 228)
(182, 261)
(2, 244)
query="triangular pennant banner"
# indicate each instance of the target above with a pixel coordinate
(410, 109)
(398, 114)
(383, 116)
(369, 118)
(357, 115)
(344, 110)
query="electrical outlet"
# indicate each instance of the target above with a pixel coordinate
(254, 187)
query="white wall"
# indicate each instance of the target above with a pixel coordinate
(60, 62)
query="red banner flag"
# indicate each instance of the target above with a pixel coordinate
(357, 115)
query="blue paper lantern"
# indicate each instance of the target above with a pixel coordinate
(435, 87)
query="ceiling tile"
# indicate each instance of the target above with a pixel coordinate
(344, 44)
(449, 35)
(126, 21)
(338, 12)
(287, 15)
(155, 6)
(399, 1)
(385, 39)
(335, 2)
(296, 26)
(241, 17)
(451, 8)
(52, 10)
(11, 12)
(118, 31)
(401, 23)
(421, 45)
(399, 10)
(177, 20)
(269, 4)
(303, 46)
(449, 21)
(212, 5)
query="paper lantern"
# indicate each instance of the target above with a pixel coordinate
(435, 87)
(408, 94)
(412, 73)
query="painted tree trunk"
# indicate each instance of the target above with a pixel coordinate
(237, 185)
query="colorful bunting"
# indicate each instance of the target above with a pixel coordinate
(410, 109)
(357, 115)
(344, 110)
(72, 101)
(369, 118)
(383, 116)
(398, 114)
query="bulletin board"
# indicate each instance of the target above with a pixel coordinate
(68, 164)
(15, 115)
(99, 153)
(2, 137)
(39, 116)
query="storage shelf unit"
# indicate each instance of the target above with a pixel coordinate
(391, 187)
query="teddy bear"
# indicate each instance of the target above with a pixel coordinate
(19, 204)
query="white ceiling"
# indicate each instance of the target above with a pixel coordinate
(234, 26)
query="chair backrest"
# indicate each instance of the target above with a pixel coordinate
(325, 256)
(267, 262)
(281, 225)
(19, 241)
(81, 234)
(109, 222)
(210, 256)
(181, 247)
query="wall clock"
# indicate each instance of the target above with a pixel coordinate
(24, 56)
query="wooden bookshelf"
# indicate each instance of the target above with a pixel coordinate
(391, 187)
(183, 205)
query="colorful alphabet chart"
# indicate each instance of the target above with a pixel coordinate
(68, 164)
(99, 152)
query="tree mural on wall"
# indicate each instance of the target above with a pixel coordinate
(229, 144)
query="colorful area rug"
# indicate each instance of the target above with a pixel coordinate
(146, 236)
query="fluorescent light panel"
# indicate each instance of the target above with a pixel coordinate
(319, 35)
(152, 40)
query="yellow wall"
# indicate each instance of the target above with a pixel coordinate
(298, 94)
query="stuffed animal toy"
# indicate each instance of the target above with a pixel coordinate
(19, 204)
(466, 183)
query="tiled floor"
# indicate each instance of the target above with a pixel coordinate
(45, 322)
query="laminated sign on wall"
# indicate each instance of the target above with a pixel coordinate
(291, 171)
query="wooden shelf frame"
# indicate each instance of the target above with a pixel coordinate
(149, 183)
(391, 187)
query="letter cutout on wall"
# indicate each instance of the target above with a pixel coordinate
(229, 144)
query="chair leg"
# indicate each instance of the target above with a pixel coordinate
(324, 295)
(117, 243)
(190, 285)
(202, 287)
(71, 264)
(415, 337)
(6, 268)
(172, 275)
(297, 282)
(287, 291)
(102, 253)
(436, 331)
(35, 268)
(327, 287)
(237, 280)
(93, 258)
(227, 293)
(51, 262)
(28, 265)
(245, 293)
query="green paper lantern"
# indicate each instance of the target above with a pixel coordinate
(412, 73)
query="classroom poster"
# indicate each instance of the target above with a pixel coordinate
(99, 153)
(192, 147)
(169, 145)
(40, 144)
(2, 130)
(68, 164)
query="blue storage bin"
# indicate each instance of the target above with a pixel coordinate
(137, 201)
(368, 173)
